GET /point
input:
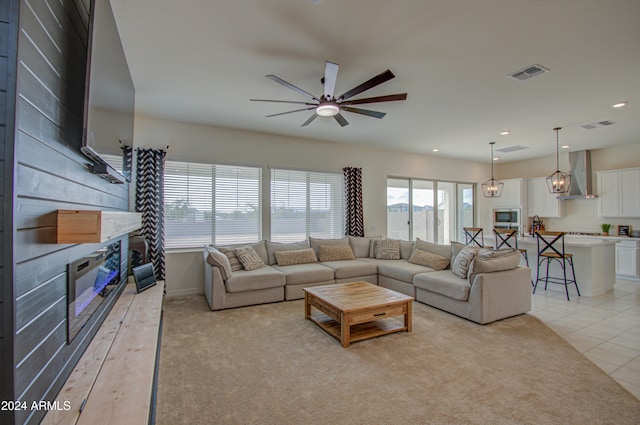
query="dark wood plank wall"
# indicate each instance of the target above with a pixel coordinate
(50, 174)
(8, 41)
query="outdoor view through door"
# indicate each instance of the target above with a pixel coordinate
(434, 211)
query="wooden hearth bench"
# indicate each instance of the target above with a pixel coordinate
(113, 383)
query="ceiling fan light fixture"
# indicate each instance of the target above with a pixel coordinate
(327, 109)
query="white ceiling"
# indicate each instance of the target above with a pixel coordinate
(201, 61)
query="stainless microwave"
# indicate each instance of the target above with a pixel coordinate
(509, 217)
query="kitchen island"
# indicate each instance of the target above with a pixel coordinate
(593, 259)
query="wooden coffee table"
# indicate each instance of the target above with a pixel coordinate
(357, 310)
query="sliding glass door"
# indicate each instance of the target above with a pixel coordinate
(434, 211)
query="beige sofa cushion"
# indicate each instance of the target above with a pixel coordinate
(335, 253)
(298, 256)
(362, 247)
(315, 242)
(444, 283)
(424, 258)
(249, 259)
(306, 273)
(441, 250)
(220, 260)
(400, 269)
(346, 269)
(273, 247)
(489, 261)
(262, 278)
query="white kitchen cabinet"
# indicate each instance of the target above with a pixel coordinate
(619, 193)
(627, 259)
(512, 195)
(540, 201)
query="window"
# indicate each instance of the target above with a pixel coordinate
(306, 204)
(207, 203)
(434, 211)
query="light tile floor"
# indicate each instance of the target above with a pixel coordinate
(606, 329)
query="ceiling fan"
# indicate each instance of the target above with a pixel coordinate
(329, 105)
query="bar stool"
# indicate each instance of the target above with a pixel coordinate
(509, 239)
(471, 236)
(547, 250)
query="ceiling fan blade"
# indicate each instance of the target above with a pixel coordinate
(388, 98)
(367, 112)
(311, 118)
(341, 120)
(330, 77)
(291, 86)
(369, 84)
(289, 112)
(282, 101)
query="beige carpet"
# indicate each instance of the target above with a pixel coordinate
(268, 365)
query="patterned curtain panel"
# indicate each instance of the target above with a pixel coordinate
(354, 216)
(127, 154)
(150, 202)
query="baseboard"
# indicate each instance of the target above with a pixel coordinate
(184, 292)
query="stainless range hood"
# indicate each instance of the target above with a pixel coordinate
(581, 188)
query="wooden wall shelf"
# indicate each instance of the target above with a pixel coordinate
(91, 226)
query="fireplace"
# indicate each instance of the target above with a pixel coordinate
(90, 281)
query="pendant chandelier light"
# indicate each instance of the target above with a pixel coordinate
(558, 182)
(492, 188)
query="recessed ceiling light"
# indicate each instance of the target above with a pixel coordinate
(565, 146)
(619, 105)
(505, 133)
(496, 158)
(436, 149)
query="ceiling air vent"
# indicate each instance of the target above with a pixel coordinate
(514, 148)
(597, 124)
(528, 73)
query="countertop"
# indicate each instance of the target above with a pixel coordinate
(578, 240)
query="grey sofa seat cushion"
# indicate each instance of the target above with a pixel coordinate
(305, 273)
(445, 283)
(400, 269)
(262, 278)
(351, 268)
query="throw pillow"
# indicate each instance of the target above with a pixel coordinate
(298, 256)
(488, 261)
(249, 258)
(387, 249)
(424, 258)
(441, 250)
(335, 253)
(462, 262)
(273, 247)
(233, 259)
(315, 242)
(219, 260)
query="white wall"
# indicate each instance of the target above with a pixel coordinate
(198, 143)
(580, 215)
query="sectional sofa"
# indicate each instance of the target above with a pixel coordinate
(484, 286)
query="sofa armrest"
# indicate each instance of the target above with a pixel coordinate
(497, 295)
(214, 288)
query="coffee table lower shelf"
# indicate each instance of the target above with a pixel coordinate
(360, 331)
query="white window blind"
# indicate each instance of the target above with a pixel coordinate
(206, 203)
(306, 204)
